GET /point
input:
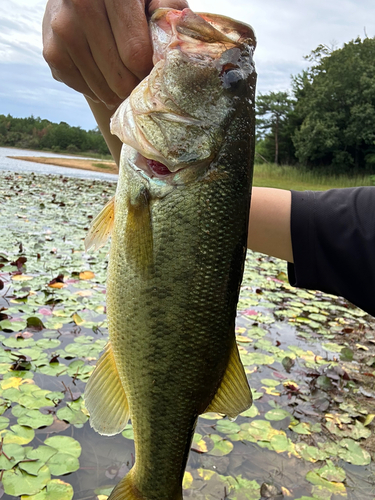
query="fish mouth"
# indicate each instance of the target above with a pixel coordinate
(153, 169)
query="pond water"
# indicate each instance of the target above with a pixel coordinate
(310, 359)
(14, 165)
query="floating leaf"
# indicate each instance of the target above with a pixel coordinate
(62, 463)
(277, 414)
(35, 419)
(202, 444)
(15, 454)
(128, 432)
(22, 277)
(353, 453)
(86, 275)
(334, 487)
(301, 428)
(18, 434)
(221, 446)
(187, 481)
(346, 354)
(35, 323)
(17, 482)
(55, 490)
(253, 410)
(77, 319)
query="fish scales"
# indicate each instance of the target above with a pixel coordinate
(175, 267)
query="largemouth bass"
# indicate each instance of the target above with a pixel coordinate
(178, 224)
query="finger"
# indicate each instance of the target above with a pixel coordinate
(74, 61)
(94, 77)
(104, 52)
(64, 70)
(171, 4)
(130, 29)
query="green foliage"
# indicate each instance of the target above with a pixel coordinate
(330, 122)
(274, 112)
(335, 104)
(35, 133)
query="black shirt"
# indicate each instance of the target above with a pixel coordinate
(333, 241)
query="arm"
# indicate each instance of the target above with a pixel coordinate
(269, 224)
(102, 49)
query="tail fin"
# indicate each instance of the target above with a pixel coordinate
(126, 490)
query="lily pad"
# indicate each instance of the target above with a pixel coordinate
(55, 490)
(17, 482)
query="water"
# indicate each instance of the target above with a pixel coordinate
(14, 165)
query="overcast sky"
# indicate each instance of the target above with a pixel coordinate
(286, 31)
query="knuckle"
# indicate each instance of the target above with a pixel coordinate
(51, 56)
(139, 58)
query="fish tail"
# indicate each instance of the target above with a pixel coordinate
(127, 490)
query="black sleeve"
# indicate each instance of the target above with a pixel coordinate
(333, 240)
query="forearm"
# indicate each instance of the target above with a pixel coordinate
(269, 224)
(103, 116)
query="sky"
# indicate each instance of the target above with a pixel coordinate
(286, 30)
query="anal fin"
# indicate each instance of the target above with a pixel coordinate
(105, 397)
(234, 394)
(101, 227)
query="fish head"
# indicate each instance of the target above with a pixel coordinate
(203, 73)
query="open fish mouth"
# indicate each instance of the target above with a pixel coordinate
(153, 168)
(177, 116)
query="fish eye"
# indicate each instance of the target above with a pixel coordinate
(232, 78)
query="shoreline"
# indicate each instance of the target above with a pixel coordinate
(104, 166)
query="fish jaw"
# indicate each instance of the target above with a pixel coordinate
(179, 114)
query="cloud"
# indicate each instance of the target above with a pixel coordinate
(30, 90)
(286, 31)
(20, 31)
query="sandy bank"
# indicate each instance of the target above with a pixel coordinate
(108, 167)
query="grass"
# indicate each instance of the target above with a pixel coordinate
(103, 165)
(287, 177)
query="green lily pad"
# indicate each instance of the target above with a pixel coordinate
(351, 452)
(17, 482)
(64, 444)
(55, 490)
(32, 468)
(17, 434)
(35, 419)
(128, 432)
(221, 446)
(277, 414)
(14, 452)
(62, 463)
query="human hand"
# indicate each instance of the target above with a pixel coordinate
(100, 48)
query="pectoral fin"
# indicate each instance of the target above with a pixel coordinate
(105, 397)
(234, 394)
(101, 227)
(138, 234)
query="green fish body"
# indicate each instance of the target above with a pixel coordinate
(178, 225)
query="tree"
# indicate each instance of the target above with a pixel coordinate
(272, 111)
(335, 106)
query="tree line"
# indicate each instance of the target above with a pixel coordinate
(328, 119)
(36, 133)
